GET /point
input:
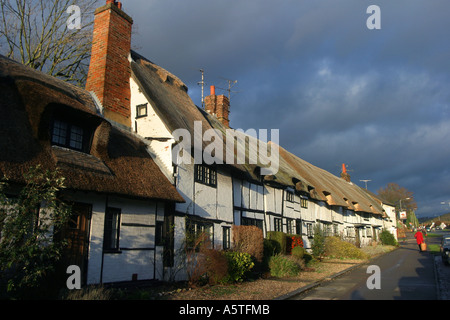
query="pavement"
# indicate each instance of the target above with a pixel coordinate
(442, 277)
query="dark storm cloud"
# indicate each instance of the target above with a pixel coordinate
(377, 100)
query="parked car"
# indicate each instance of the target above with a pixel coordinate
(445, 250)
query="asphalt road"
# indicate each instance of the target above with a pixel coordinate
(403, 274)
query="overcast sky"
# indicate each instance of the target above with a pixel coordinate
(376, 100)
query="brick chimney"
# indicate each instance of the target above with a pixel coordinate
(344, 173)
(219, 106)
(109, 70)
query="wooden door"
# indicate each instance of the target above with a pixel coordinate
(77, 235)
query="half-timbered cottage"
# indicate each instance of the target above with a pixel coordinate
(147, 167)
(119, 195)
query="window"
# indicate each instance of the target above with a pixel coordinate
(69, 135)
(289, 196)
(159, 233)
(277, 224)
(141, 110)
(335, 229)
(304, 203)
(112, 229)
(252, 222)
(327, 230)
(350, 232)
(298, 226)
(226, 232)
(290, 226)
(197, 232)
(309, 230)
(206, 175)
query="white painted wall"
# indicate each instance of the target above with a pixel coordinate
(390, 223)
(137, 232)
(153, 129)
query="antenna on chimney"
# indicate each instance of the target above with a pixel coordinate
(231, 84)
(202, 83)
(365, 182)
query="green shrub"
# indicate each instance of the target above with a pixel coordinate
(280, 238)
(337, 248)
(388, 238)
(298, 252)
(284, 266)
(239, 264)
(29, 253)
(307, 257)
(318, 242)
(271, 247)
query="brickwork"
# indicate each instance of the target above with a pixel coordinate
(109, 71)
(218, 105)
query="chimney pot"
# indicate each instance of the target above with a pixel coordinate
(116, 3)
(213, 90)
(344, 174)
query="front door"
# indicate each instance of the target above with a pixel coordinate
(77, 235)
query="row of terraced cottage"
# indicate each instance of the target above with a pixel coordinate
(133, 199)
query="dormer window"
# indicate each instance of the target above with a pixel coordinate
(70, 134)
(67, 135)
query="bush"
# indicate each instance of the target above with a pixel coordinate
(298, 252)
(388, 238)
(280, 238)
(271, 247)
(249, 239)
(318, 242)
(239, 263)
(216, 265)
(292, 241)
(28, 251)
(337, 248)
(284, 266)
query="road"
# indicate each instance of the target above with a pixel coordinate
(404, 274)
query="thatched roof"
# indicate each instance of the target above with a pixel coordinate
(332, 189)
(117, 163)
(169, 97)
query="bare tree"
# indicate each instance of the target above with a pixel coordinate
(393, 193)
(53, 36)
